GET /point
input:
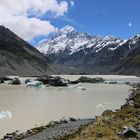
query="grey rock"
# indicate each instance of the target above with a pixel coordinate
(53, 81)
(130, 132)
(1, 81)
(15, 81)
(90, 80)
(6, 78)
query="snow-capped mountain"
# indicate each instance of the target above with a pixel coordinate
(68, 40)
(92, 54)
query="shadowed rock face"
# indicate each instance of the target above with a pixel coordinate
(129, 57)
(17, 57)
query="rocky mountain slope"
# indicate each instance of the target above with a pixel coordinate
(129, 58)
(93, 54)
(17, 57)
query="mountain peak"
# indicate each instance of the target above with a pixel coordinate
(69, 41)
(67, 29)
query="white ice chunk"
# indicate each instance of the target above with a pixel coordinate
(5, 114)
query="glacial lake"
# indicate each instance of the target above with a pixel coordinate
(29, 107)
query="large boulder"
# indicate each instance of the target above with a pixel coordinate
(58, 81)
(15, 81)
(1, 81)
(84, 79)
(44, 79)
(6, 78)
(129, 132)
(53, 81)
(74, 82)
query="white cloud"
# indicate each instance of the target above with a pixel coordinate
(14, 14)
(72, 3)
(130, 24)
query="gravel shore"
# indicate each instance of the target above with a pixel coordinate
(53, 130)
(59, 130)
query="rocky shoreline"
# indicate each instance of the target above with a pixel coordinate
(53, 130)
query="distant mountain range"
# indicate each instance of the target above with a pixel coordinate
(17, 57)
(73, 53)
(93, 54)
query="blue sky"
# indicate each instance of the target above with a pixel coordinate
(107, 17)
(102, 17)
(34, 21)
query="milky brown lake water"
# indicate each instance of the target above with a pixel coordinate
(32, 106)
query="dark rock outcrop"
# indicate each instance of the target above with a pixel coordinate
(15, 81)
(6, 78)
(27, 81)
(1, 81)
(90, 80)
(59, 81)
(53, 81)
(44, 79)
(129, 132)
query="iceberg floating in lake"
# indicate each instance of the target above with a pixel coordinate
(37, 84)
(103, 105)
(5, 114)
(78, 86)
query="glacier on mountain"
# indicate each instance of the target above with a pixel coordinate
(68, 40)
